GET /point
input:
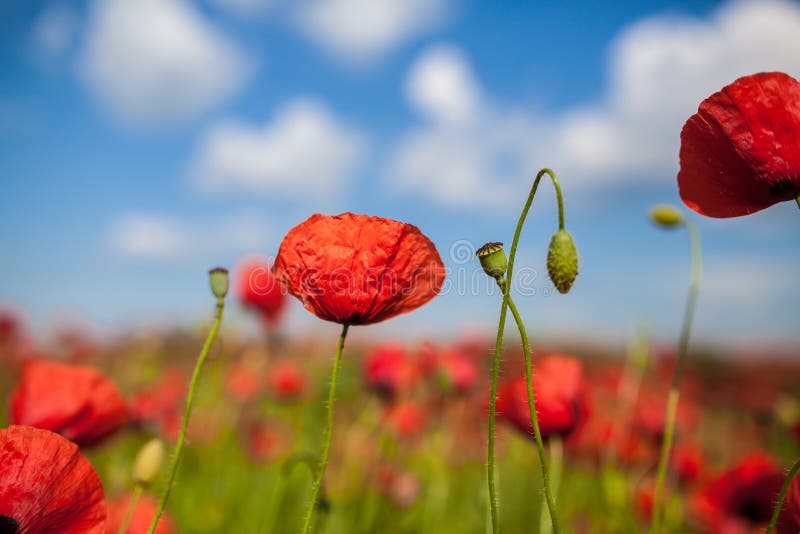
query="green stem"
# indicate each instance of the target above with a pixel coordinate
(556, 446)
(326, 441)
(537, 433)
(176, 456)
(674, 392)
(782, 496)
(505, 285)
(797, 198)
(137, 494)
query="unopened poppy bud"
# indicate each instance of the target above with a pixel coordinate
(666, 215)
(148, 462)
(493, 259)
(562, 261)
(218, 278)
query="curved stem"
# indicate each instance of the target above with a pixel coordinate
(187, 411)
(505, 285)
(674, 392)
(137, 494)
(326, 440)
(556, 452)
(526, 348)
(782, 496)
(797, 198)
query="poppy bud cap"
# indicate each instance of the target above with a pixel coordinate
(218, 279)
(148, 462)
(493, 259)
(666, 215)
(562, 261)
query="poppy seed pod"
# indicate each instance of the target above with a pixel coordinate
(148, 462)
(666, 215)
(562, 261)
(493, 259)
(218, 279)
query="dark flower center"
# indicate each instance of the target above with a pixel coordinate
(8, 525)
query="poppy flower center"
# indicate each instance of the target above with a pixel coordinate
(8, 525)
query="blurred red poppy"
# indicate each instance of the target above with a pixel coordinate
(789, 520)
(243, 382)
(264, 441)
(687, 462)
(741, 498)
(740, 152)
(457, 372)
(46, 485)
(142, 516)
(286, 380)
(260, 291)
(561, 402)
(76, 401)
(400, 486)
(405, 419)
(650, 412)
(357, 269)
(388, 370)
(160, 406)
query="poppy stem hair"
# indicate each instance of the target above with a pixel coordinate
(674, 391)
(782, 495)
(219, 286)
(504, 281)
(326, 440)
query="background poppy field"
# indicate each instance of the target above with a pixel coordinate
(145, 142)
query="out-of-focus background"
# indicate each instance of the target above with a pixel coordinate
(142, 142)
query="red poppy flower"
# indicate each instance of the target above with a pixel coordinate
(560, 398)
(264, 441)
(687, 462)
(648, 418)
(161, 405)
(142, 516)
(406, 419)
(356, 269)
(742, 497)
(260, 291)
(76, 401)
(46, 485)
(286, 380)
(388, 370)
(789, 520)
(457, 372)
(242, 382)
(740, 153)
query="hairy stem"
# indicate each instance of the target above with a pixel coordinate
(326, 440)
(782, 496)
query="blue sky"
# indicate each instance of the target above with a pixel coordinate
(143, 142)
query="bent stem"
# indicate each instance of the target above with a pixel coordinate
(176, 456)
(526, 348)
(505, 285)
(137, 494)
(326, 440)
(797, 198)
(782, 496)
(556, 446)
(674, 392)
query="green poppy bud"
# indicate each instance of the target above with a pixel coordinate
(666, 215)
(562, 261)
(148, 462)
(218, 278)
(493, 259)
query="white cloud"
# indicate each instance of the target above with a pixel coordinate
(158, 237)
(360, 31)
(158, 61)
(304, 151)
(54, 30)
(442, 85)
(660, 69)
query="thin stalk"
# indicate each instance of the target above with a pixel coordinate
(782, 496)
(797, 198)
(176, 456)
(137, 494)
(505, 285)
(556, 446)
(674, 392)
(326, 440)
(537, 433)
